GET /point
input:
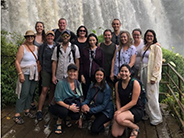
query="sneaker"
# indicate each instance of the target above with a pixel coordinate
(89, 124)
(106, 131)
(18, 120)
(29, 114)
(39, 115)
(156, 123)
(145, 118)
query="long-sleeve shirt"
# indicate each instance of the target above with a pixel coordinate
(102, 100)
(98, 61)
(154, 64)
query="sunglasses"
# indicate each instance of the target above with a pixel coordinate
(66, 35)
(29, 36)
(82, 30)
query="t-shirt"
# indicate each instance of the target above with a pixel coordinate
(109, 51)
(125, 57)
(115, 39)
(138, 56)
(65, 58)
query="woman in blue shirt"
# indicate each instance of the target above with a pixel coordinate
(99, 102)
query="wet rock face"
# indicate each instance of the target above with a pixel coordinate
(175, 14)
(165, 16)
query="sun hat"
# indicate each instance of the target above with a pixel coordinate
(29, 33)
(50, 32)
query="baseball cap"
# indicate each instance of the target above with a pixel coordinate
(50, 32)
(66, 31)
(72, 66)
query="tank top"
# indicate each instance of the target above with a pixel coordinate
(28, 59)
(125, 95)
(36, 43)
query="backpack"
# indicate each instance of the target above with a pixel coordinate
(142, 94)
(72, 51)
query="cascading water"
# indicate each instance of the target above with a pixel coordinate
(21, 15)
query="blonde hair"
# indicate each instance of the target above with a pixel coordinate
(129, 43)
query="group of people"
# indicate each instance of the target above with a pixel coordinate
(81, 74)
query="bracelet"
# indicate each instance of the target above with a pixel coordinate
(20, 73)
(68, 107)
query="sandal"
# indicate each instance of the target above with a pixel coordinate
(79, 122)
(133, 133)
(29, 114)
(68, 123)
(57, 129)
(18, 120)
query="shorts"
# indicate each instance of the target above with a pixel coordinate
(138, 113)
(46, 79)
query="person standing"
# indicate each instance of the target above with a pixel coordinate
(40, 38)
(62, 23)
(92, 58)
(109, 49)
(80, 41)
(126, 54)
(82, 34)
(151, 68)
(27, 70)
(64, 54)
(138, 43)
(45, 54)
(116, 24)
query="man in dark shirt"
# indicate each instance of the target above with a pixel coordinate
(62, 23)
(44, 56)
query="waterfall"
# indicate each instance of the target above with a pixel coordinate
(21, 15)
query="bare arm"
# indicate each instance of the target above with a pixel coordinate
(132, 60)
(72, 107)
(112, 66)
(54, 66)
(78, 66)
(77, 63)
(18, 59)
(118, 105)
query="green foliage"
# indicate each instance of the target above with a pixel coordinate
(100, 38)
(9, 46)
(177, 61)
(175, 58)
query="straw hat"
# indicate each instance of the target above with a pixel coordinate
(29, 33)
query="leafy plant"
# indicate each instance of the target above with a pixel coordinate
(9, 46)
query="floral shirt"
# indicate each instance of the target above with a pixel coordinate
(125, 57)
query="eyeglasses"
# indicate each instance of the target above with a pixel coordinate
(82, 30)
(66, 35)
(29, 36)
